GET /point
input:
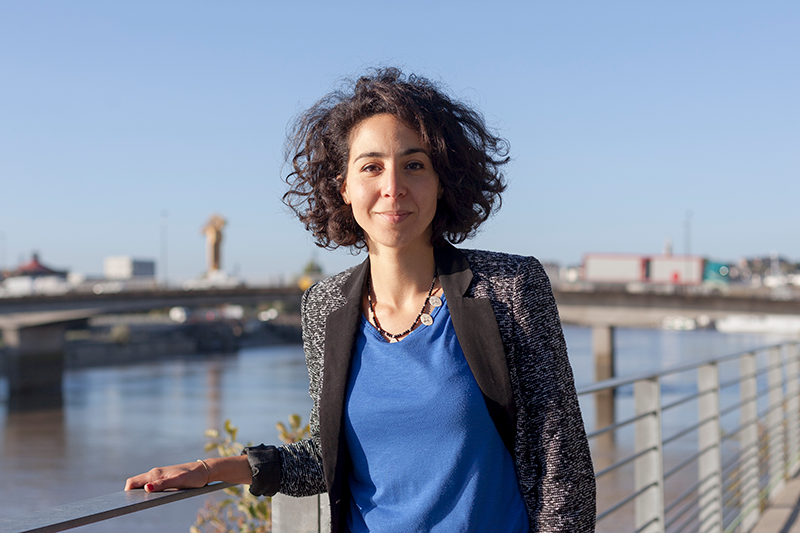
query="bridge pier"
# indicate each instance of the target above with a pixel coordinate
(35, 365)
(603, 350)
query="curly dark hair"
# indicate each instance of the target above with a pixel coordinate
(464, 154)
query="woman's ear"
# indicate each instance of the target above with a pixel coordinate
(343, 189)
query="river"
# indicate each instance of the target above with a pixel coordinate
(120, 421)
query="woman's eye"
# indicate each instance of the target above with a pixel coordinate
(370, 168)
(415, 165)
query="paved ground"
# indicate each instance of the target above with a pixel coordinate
(783, 516)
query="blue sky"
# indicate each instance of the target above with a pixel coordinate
(623, 118)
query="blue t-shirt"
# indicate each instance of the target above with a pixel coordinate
(426, 454)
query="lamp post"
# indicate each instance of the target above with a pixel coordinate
(2, 250)
(165, 247)
(688, 227)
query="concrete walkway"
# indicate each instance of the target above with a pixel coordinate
(783, 515)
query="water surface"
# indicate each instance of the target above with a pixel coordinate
(120, 421)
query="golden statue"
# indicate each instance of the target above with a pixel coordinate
(213, 232)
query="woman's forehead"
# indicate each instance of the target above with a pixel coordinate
(383, 132)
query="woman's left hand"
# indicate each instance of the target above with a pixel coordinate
(183, 476)
(234, 469)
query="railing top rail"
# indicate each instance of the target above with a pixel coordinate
(677, 369)
(96, 509)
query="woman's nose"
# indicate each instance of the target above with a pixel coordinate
(394, 184)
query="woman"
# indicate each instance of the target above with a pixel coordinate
(443, 396)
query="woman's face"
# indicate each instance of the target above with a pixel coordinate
(391, 184)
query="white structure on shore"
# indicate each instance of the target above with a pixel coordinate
(125, 267)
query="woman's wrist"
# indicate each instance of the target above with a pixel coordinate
(208, 470)
(234, 469)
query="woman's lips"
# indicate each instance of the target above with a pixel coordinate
(394, 216)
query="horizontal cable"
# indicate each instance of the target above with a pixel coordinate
(709, 527)
(769, 410)
(642, 528)
(729, 409)
(619, 424)
(683, 495)
(768, 436)
(734, 432)
(683, 400)
(729, 468)
(686, 508)
(681, 465)
(734, 381)
(614, 383)
(624, 462)
(743, 486)
(689, 429)
(726, 514)
(625, 500)
(686, 493)
(696, 513)
(743, 401)
(732, 460)
(751, 375)
(688, 521)
(769, 368)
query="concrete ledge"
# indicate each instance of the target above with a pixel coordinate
(782, 515)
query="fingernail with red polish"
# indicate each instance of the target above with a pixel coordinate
(149, 487)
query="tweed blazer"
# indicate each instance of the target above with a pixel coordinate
(506, 321)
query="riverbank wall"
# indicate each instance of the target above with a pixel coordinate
(126, 343)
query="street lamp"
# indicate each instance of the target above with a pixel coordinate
(164, 246)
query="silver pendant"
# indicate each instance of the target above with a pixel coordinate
(426, 319)
(435, 301)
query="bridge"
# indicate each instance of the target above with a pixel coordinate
(605, 307)
(34, 326)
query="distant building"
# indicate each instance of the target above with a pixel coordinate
(653, 269)
(34, 278)
(124, 267)
(35, 269)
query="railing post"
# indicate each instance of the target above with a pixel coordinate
(748, 441)
(300, 515)
(793, 408)
(710, 460)
(649, 468)
(603, 351)
(776, 435)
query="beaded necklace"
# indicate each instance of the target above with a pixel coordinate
(422, 316)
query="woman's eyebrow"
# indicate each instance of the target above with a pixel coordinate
(406, 152)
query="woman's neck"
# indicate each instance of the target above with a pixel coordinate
(399, 285)
(400, 275)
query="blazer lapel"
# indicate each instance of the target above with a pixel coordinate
(479, 336)
(340, 333)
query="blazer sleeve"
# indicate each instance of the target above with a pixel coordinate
(301, 462)
(553, 459)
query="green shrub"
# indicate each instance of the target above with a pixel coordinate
(240, 511)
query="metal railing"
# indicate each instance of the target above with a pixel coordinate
(713, 442)
(289, 515)
(701, 447)
(97, 509)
